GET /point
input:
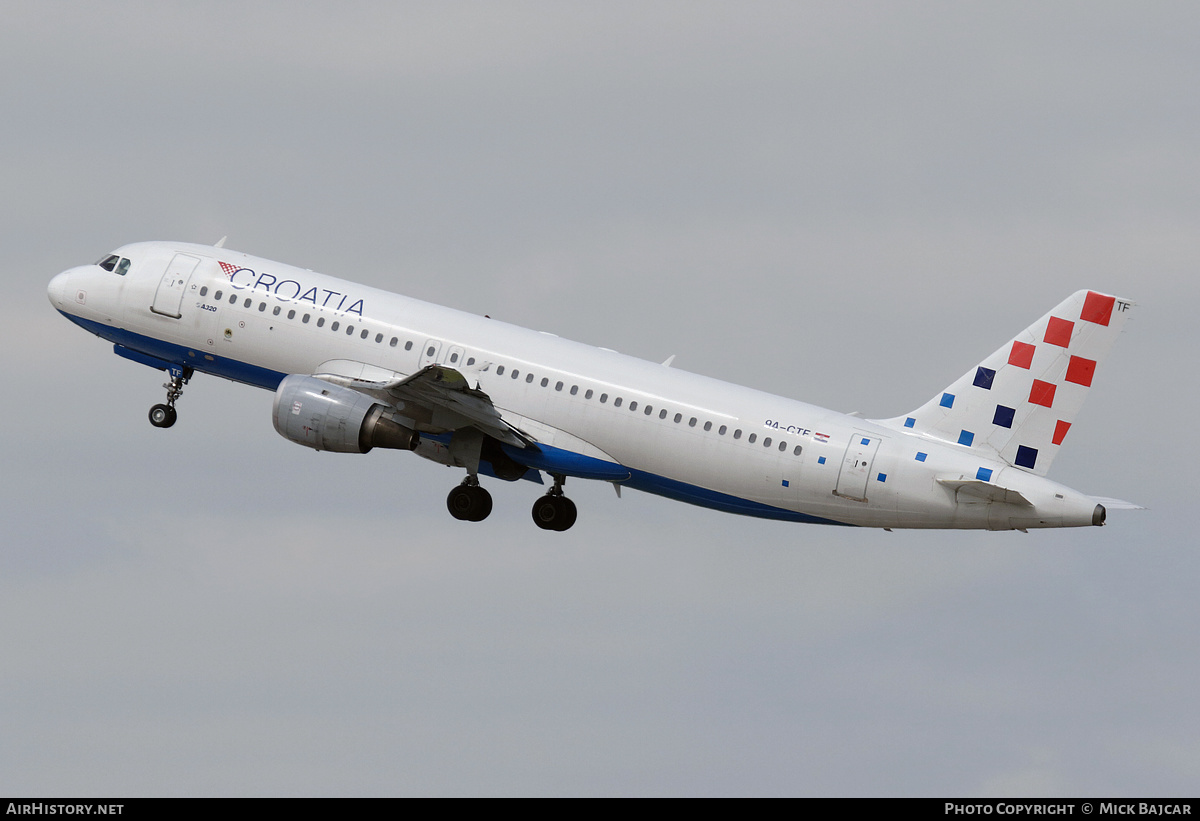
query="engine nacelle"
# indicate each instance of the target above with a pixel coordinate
(324, 416)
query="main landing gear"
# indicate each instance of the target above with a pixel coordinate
(554, 511)
(163, 416)
(469, 502)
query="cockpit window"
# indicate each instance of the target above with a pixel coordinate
(117, 264)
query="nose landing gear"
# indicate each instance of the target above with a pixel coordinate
(163, 416)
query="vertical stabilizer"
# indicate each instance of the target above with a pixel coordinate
(1021, 401)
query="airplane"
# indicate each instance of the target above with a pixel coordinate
(355, 368)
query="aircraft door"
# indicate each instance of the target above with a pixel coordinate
(169, 297)
(856, 466)
(429, 354)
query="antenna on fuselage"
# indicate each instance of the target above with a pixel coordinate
(221, 242)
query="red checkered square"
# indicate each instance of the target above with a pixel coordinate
(1021, 355)
(1060, 430)
(1042, 393)
(1097, 308)
(1058, 332)
(1080, 371)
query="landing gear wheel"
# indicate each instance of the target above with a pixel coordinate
(554, 513)
(162, 416)
(469, 503)
(569, 511)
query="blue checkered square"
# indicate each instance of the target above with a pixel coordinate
(1026, 457)
(1004, 416)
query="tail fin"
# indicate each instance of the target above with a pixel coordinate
(1020, 402)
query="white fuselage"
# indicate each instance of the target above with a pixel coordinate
(640, 424)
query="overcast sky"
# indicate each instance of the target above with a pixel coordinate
(845, 203)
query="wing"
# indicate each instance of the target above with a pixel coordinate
(439, 399)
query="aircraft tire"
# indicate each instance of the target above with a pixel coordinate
(554, 513)
(163, 416)
(483, 504)
(545, 512)
(569, 513)
(469, 503)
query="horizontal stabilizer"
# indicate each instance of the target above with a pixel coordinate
(985, 490)
(1116, 504)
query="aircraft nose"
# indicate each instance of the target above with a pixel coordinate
(57, 290)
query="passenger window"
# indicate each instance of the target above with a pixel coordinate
(751, 438)
(678, 418)
(262, 307)
(708, 425)
(204, 290)
(349, 330)
(408, 345)
(797, 451)
(233, 299)
(334, 325)
(432, 350)
(277, 311)
(558, 386)
(499, 370)
(454, 358)
(395, 341)
(545, 381)
(378, 338)
(603, 398)
(574, 390)
(737, 434)
(721, 430)
(767, 442)
(217, 296)
(617, 402)
(320, 322)
(305, 319)
(248, 302)
(588, 394)
(662, 414)
(782, 447)
(470, 360)
(633, 406)
(649, 410)
(515, 373)
(528, 379)
(692, 422)
(292, 314)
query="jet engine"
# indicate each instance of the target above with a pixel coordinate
(323, 416)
